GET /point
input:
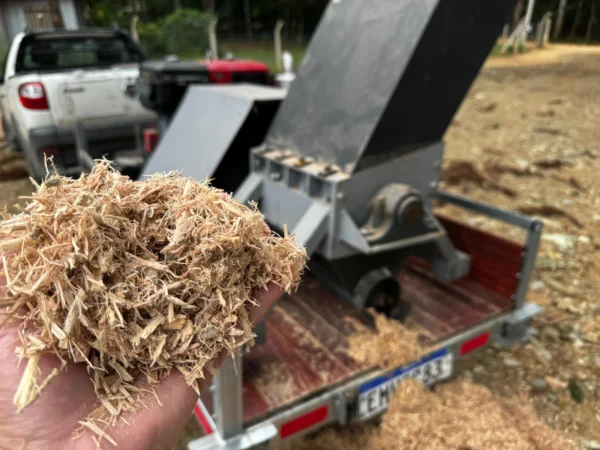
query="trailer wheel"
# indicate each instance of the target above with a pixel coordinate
(379, 289)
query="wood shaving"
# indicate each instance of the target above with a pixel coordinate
(458, 416)
(135, 278)
(389, 345)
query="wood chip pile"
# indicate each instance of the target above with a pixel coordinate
(458, 416)
(390, 344)
(135, 278)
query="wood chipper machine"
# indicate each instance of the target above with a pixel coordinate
(350, 162)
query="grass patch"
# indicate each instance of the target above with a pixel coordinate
(497, 49)
(258, 51)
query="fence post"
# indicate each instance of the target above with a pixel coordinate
(212, 38)
(514, 38)
(133, 28)
(528, 14)
(277, 39)
(547, 30)
(505, 31)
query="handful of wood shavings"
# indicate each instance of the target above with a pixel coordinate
(135, 279)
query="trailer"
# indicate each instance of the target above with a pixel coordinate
(302, 379)
(349, 160)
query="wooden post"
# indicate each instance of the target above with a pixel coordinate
(543, 30)
(528, 15)
(539, 32)
(505, 31)
(513, 38)
(547, 30)
(277, 39)
(248, 20)
(559, 19)
(212, 38)
(591, 21)
(133, 28)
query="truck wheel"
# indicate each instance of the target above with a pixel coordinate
(10, 135)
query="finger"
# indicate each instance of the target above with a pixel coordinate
(159, 424)
(265, 299)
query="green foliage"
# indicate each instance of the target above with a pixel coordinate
(105, 13)
(186, 31)
(152, 38)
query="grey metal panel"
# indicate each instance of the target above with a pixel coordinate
(283, 206)
(381, 78)
(312, 227)
(227, 397)
(204, 127)
(421, 170)
(348, 75)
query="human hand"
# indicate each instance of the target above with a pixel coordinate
(50, 422)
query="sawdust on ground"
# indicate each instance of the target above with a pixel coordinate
(458, 416)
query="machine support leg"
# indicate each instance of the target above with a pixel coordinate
(227, 398)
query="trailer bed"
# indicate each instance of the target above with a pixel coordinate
(307, 332)
(307, 336)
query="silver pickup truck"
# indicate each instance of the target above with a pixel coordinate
(54, 82)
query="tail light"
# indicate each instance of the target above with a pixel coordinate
(220, 77)
(150, 139)
(475, 343)
(33, 96)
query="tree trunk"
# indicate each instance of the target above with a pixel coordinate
(577, 20)
(300, 30)
(591, 21)
(560, 17)
(248, 19)
(208, 5)
(517, 13)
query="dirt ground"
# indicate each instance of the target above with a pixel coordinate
(530, 127)
(526, 139)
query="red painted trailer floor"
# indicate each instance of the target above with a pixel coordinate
(306, 332)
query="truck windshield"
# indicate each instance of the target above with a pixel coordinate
(47, 53)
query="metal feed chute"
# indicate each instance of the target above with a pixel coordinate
(382, 78)
(212, 131)
(352, 160)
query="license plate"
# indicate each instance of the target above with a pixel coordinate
(374, 395)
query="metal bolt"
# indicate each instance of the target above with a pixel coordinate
(340, 196)
(275, 176)
(366, 230)
(433, 185)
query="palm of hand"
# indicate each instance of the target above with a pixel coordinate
(50, 422)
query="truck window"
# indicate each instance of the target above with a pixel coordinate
(46, 54)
